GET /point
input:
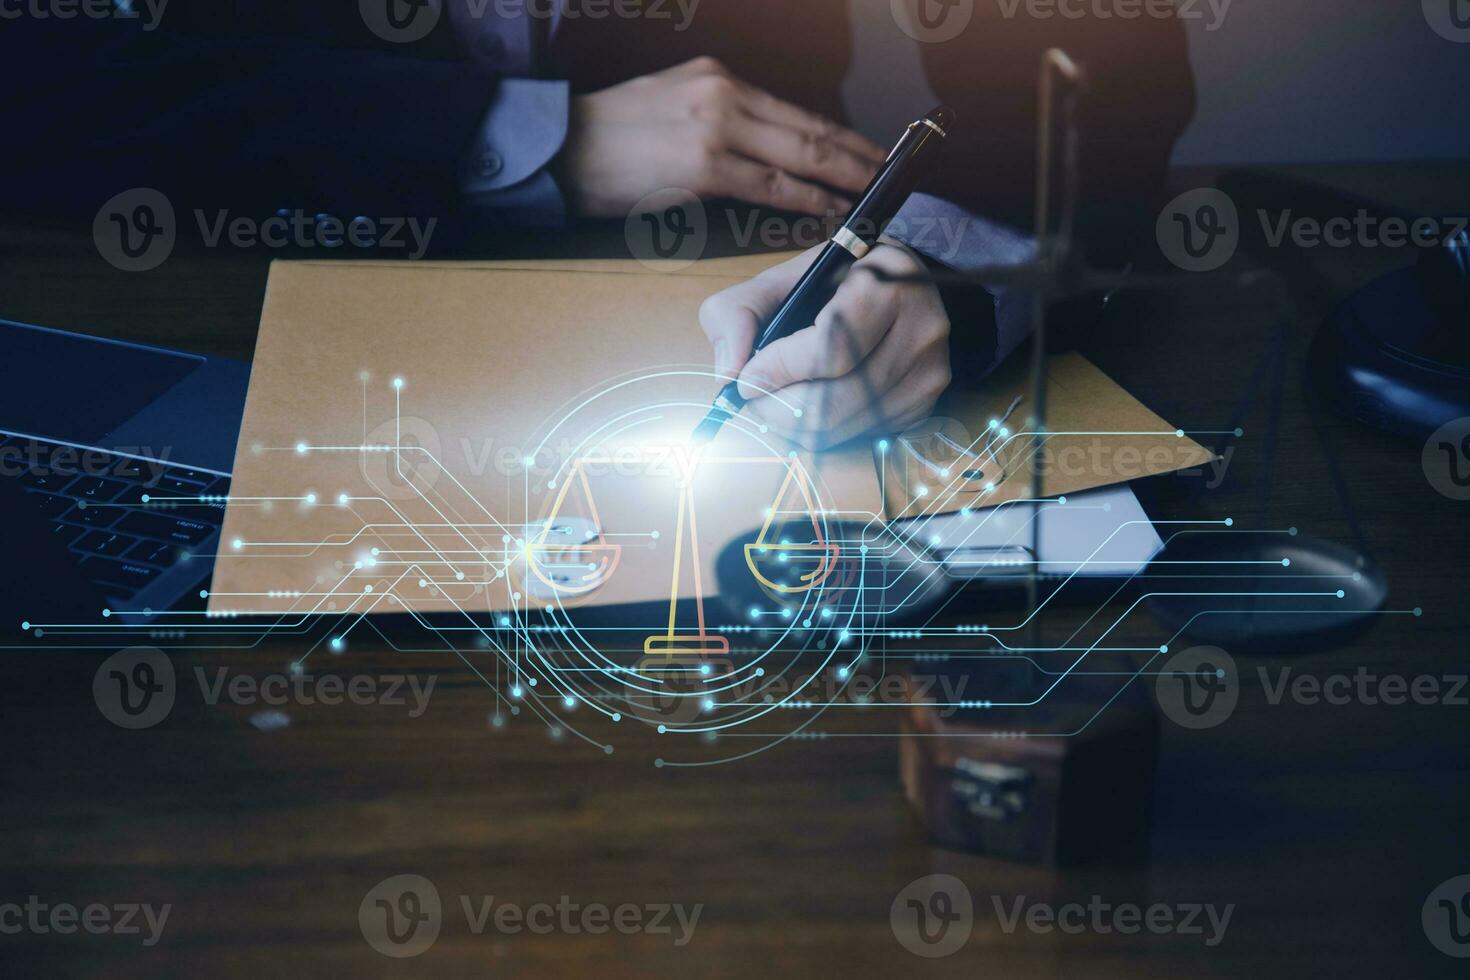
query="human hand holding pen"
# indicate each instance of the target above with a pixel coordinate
(698, 127)
(875, 360)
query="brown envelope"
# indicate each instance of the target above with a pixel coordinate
(598, 370)
(498, 363)
(984, 451)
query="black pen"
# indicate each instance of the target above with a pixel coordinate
(887, 192)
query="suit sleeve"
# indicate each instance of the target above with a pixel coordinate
(254, 124)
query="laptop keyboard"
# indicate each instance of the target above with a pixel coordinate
(95, 504)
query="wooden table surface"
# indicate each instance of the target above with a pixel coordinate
(1326, 827)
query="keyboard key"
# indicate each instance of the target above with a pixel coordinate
(65, 534)
(105, 543)
(98, 517)
(158, 553)
(202, 477)
(44, 478)
(209, 514)
(48, 505)
(128, 576)
(94, 489)
(132, 496)
(133, 470)
(181, 530)
(175, 485)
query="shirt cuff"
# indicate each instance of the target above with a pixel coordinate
(505, 174)
(948, 234)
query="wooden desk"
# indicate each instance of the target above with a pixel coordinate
(1325, 826)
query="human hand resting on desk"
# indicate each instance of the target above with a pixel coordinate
(877, 359)
(697, 127)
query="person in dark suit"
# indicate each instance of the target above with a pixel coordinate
(546, 112)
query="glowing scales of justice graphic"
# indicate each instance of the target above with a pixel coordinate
(584, 561)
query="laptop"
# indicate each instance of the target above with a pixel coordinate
(115, 461)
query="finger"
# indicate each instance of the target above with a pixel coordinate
(695, 67)
(731, 317)
(764, 105)
(761, 183)
(847, 330)
(800, 153)
(816, 405)
(835, 412)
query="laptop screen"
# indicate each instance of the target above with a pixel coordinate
(69, 388)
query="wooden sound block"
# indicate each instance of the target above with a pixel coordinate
(1063, 782)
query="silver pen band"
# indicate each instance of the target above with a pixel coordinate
(851, 242)
(926, 121)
